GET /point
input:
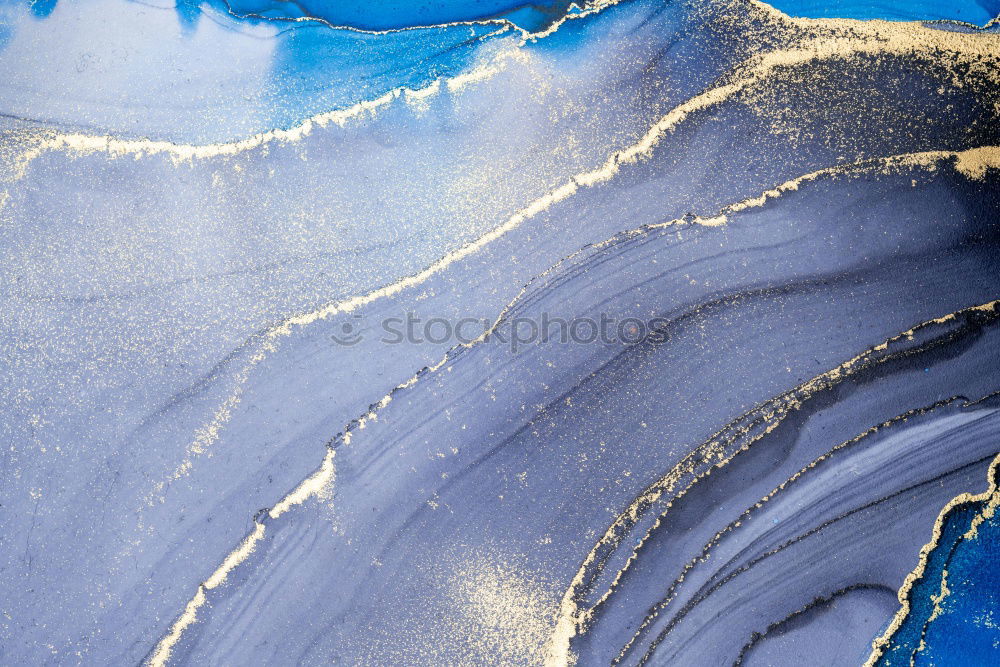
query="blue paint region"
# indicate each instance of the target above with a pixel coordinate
(42, 8)
(315, 69)
(395, 14)
(978, 12)
(188, 15)
(966, 630)
(208, 76)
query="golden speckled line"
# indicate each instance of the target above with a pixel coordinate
(824, 39)
(707, 549)
(813, 39)
(991, 498)
(79, 143)
(882, 39)
(319, 484)
(992, 307)
(572, 619)
(972, 163)
(189, 615)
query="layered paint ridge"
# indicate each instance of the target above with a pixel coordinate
(211, 455)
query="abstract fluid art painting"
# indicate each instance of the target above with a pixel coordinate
(495, 332)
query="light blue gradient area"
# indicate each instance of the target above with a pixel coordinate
(977, 12)
(198, 74)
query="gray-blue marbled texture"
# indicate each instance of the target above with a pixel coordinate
(157, 392)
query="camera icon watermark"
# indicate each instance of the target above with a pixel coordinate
(349, 333)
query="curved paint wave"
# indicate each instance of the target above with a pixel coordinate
(213, 455)
(396, 14)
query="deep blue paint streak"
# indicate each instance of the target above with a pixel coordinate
(395, 14)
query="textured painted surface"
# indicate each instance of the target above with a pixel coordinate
(976, 12)
(211, 454)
